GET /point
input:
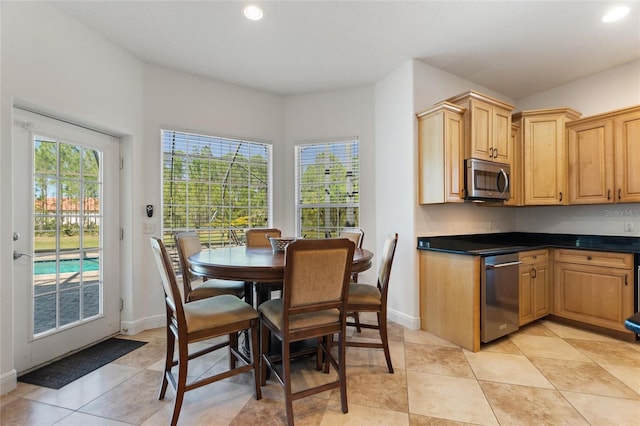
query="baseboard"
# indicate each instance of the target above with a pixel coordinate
(8, 381)
(403, 319)
(131, 328)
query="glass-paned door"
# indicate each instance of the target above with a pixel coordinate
(66, 252)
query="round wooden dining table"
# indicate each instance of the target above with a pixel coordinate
(255, 264)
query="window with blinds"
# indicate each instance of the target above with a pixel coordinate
(215, 186)
(327, 188)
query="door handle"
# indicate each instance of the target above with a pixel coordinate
(534, 274)
(18, 255)
(503, 265)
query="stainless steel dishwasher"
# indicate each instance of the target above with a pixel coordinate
(500, 296)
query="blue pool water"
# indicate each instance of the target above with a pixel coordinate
(69, 265)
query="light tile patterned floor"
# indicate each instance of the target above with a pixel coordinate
(545, 374)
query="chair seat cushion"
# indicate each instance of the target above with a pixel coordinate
(272, 309)
(363, 294)
(210, 288)
(217, 311)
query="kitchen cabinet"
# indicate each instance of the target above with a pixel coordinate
(535, 285)
(440, 154)
(593, 287)
(544, 155)
(515, 178)
(603, 153)
(487, 126)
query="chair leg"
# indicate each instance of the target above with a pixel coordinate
(382, 325)
(264, 348)
(356, 317)
(286, 373)
(328, 343)
(233, 343)
(342, 370)
(255, 356)
(171, 340)
(183, 359)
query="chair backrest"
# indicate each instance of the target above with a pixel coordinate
(172, 294)
(316, 275)
(257, 237)
(354, 234)
(187, 244)
(384, 270)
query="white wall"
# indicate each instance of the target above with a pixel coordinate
(75, 75)
(327, 116)
(606, 91)
(179, 101)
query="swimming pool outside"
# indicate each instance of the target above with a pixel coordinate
(41, 267)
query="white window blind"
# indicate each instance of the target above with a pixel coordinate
(215, 186)
(327, 188)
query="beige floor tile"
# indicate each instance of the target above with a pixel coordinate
(426, 338)
(584, 377)
(85, 389)
(630, 376)
(447, 397)
(144, 356)
(418, 420)
(437, 360)
(504, 345)
(537, 329)
(547, 347)
(395, 332)
(25, 412)
(602, 410)
(607, 353)
(215, 404)
(568, 332)
(81, 419)
(134, 401)
(367, 356)
(373, 386)
(362, 415)
(524, 405)
(506, 368)
(157, 334)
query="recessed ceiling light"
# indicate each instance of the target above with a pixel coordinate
(616, 14)
(253, 12)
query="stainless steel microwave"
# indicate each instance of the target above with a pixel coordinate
(486, 180)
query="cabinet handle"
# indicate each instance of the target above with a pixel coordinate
(619, 194)
(535, 257)
(533, 273)
(589, 257)
(626, 279)
(561, 196)
(608, 194)
(495, 153)
(490, 152)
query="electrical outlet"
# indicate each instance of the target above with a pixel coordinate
(629, 227)
(148, 228)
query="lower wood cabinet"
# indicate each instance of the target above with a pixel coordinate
(593, 287)
(535, 285)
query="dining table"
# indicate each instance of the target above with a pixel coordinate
(255, 265)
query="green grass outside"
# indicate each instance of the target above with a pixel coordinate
(48, 243)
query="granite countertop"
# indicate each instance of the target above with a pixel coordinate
(511, 242)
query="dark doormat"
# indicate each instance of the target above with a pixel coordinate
(68, 369)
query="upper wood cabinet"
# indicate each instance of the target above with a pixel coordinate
(487, 123)
(516, 177)
(603, 153)
(440, 154)
(544, 155)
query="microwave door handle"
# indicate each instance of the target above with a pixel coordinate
(506, 181)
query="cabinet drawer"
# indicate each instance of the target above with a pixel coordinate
(596, 258)
(533, 256)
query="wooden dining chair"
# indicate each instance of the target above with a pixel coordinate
(373, 298)
(198, 321)
(357, 236)
(195, 287)
(257, 237)
(316, 281)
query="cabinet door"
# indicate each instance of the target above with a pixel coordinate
(453, 157)
(592, 294)
(481, 145)
(627, 153)
(501, 136)
(526, 303)
(545, 167)
(516, 167)
(591, 169)
(541, 290)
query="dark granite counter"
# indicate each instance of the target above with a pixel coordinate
(510, 242)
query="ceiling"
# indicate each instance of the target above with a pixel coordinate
(516, 48)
